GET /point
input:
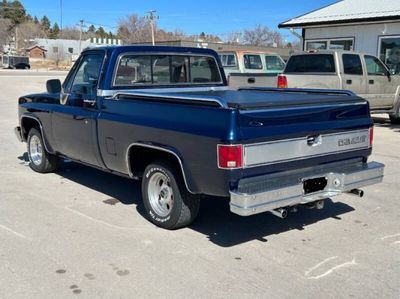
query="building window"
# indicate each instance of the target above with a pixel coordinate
(341, 44)
(389, 52)
(316, 45)
(70, 50)
(332, 44)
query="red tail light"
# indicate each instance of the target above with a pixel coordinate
(371, 136)
(230, 156)
(282, 81)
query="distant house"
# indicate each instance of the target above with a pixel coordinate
(36, 52)
(368, 26)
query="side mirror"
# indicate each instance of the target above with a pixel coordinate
(53, 86)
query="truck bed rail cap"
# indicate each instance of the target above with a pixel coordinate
(168, 96)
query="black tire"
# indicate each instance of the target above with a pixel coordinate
(394, 120)
(184, 207)
(47, 162)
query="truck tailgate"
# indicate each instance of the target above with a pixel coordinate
(301, 128)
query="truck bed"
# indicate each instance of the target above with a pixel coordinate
(252, 98)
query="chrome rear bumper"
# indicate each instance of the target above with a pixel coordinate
(267, 193)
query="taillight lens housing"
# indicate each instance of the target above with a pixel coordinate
(230, 156)
(371, 136)
(282, 81)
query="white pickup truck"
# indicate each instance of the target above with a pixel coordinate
(251, 68)
(363, 74)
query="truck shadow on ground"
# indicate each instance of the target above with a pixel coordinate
(215, 221)
(384, 122)
(226, 229)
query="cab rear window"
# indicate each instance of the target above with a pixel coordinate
(135, 70)
(315, 63)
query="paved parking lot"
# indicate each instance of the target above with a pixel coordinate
(80, 232)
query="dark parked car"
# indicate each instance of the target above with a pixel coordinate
(15, 62)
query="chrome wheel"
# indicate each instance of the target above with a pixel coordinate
(160, 193)
(35, 150)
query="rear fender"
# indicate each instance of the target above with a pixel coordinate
(173, 153)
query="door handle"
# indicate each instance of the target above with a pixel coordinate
(371, 81)
(76, 117)
(89, 101)
(251, 80)
(349, 81)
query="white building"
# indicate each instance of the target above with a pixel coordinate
(369, 26)
(64, 49)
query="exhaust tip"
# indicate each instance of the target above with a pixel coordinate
(357, 192)
(319, 205)
(281, 213)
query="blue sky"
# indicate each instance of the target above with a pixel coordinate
(214, 17)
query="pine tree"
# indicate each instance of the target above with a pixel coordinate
(91, 29)
(45, 23)
(100, 32)
(14, 11)
(55, 31)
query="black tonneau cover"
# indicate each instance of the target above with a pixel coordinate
(248, 99)
(273, 98)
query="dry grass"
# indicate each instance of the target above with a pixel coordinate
(50, 64)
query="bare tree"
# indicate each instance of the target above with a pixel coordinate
(134, 29)
(70, 33)
(28, 31)
(58, 55)
(234, 37)
(5, 26)
(263, 36)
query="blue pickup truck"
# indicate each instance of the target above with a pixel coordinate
(165, 116)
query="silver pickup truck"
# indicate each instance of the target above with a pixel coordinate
(363, 74)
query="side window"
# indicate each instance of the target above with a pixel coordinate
(253, 62)
(133, 69)
(203, 70)
(228, 60)
(274, 63)
(87, 75)
(374, 66)
(352, 64)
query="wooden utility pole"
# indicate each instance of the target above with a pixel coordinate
(152, 17)
(80, 35)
